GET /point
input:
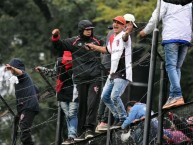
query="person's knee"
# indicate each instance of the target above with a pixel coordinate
(72, 115)
(114, 98)
(105, 99)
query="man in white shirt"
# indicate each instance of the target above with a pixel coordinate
(121, 69)
(176, 37)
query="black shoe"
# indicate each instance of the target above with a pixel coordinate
(89, 134)
(81, 137)
(118, 125)
(70, 140)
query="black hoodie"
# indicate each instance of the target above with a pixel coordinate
(86, 63)
(25, 91)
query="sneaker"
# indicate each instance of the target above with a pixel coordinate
(70, 140)
(96, 130)
(102, 126)
(118, 125)
(81, 137)
(89, 134)
(173, 102)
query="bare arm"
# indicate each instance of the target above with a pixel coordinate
(14, 71)
(94, 47)
(142, 33)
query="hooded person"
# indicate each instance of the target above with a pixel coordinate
(66, 94)
(26, 99)
(85, 25)
(86, 74)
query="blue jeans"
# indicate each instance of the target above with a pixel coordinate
(70, 110)
(111, 96)
(175, 54)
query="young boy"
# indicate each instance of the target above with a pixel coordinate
(26, 97)
(66, 92)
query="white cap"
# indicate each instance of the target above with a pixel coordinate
(130, 17)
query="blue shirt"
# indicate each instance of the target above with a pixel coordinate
(136, 112)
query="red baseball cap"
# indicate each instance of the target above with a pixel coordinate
(120, 19)
(67, 55)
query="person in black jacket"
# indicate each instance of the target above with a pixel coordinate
(86, 74)
(66, 92)
(26, 97)
(178, 2)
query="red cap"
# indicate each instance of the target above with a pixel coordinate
(120, 19)
(67, 55)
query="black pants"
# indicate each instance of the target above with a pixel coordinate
(25, 123)
(103, 112)
(89, 97)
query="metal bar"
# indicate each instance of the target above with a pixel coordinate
(14, 130)
(58, 140)
(160, 112)
(138, 84)
(46, 80)
(108, 128)
(151, 77)
(9, 108)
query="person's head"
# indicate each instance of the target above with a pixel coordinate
(85, 28)
(17, 63)
(67, 59)
(118, 24)
(130, 20)
(129, 105)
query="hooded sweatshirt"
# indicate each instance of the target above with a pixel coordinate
(86, 63)
(177, 23)
(25, 91)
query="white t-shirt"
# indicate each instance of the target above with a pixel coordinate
(120, 56)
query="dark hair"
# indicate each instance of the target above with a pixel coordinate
(130, 103)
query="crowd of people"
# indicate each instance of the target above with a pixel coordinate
(84, 101)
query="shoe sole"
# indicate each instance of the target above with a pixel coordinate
(89, 136)
(173, 105)
(115, 127)
(68, 143)
(102, 129)
(79, 139)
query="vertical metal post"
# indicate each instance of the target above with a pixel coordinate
(150, 88)
(108, 129)
(14, 130)
(160, 113)
(151, 78)
(58, 139)
(15, 122)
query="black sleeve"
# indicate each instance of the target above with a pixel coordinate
(37, 92)
(61, 45)
(178, 2)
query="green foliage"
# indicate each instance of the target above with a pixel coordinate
(25, 33)
(107, 12)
